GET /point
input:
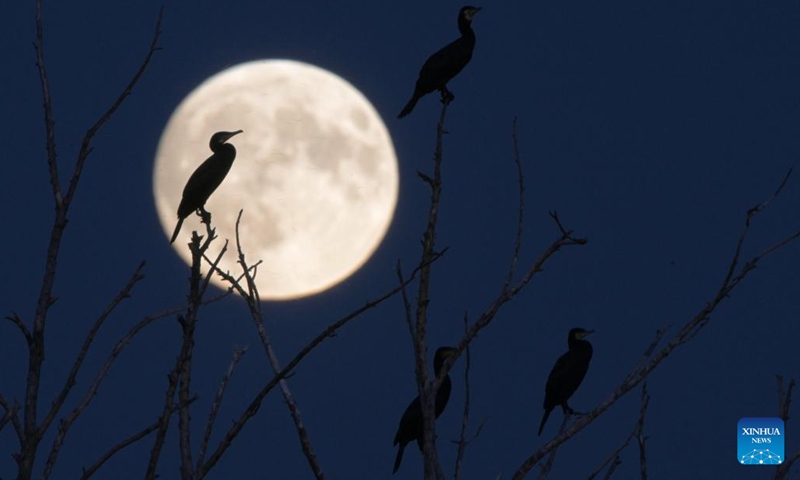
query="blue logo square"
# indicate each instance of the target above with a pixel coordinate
(760, 441)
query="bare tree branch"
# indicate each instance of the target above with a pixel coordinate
(551, 459)
(67, 422)
(179, 378)
(761, 206)
(508, 290)
(647, 353)
(197, 287)
(88, 472)
(637, 431)
(36, 352)
(86, 147)
(163, 421)
(462, 437)
(427, 389)
(565, 239)
(406, 302)
(613, 468)
(49, 123)
(640, 432)
(521, 211)
(328, 332)
(733, 277)
(613, 457)
(238, 353)
(12, 415)
(253, 301)
(87, 343)
(14, 318)
(462, 441)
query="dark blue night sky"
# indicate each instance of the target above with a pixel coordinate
(650, 127)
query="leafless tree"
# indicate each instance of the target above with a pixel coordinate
(21, 414)
(30, 426)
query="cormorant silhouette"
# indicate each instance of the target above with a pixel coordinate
(410, 427)
(445, 64)
(206, 178)
(567, 374)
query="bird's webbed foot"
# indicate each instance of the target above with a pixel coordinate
(447, 95)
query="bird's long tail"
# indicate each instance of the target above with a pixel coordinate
(177, 231)
(544, 420)
(398, 458)
(409, 106)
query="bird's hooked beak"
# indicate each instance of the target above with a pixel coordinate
(228, 135)
(584, 334)
(471, 12)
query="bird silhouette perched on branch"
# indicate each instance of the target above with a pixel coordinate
(208, 176)
(411, 427)
(567, 374)
(445, 64)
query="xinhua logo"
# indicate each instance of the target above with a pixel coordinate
(760, 441)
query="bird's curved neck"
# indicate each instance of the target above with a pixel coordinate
(465, 28)
(580, 345)
(222, 147)
(438, 367)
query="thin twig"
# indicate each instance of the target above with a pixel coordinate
(88, 472)
(14, 318)
(640, 437)
(238, 353)
(614, 456)
(123, 294)
(213, 264)
(613, 468)
(521, 210)
(462, 438)
(12, 415)
(406, 302)
(163, 421)
(49, 123)
(86, 147)
(551, 459)
(758, 208)
(647, 353)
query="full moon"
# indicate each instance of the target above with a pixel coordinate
(315, 173)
